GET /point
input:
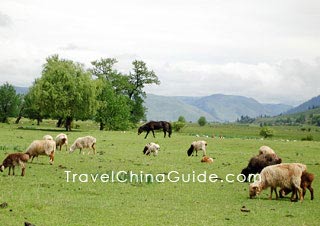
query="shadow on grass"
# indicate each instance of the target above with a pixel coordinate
(47, 129)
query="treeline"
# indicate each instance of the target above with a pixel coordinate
(67, 91)
(291, 120)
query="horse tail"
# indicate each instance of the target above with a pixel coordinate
(190, 150)
(169, 129)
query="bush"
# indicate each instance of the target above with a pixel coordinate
(308, 138)
(266, 132)
(177, 126)
(202, 121)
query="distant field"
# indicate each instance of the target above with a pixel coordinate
(44, 197)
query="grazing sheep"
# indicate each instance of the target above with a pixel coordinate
(42, 147)
(207, 159)
(257, 163)
(197, 146)
(13, 160)
(84, 142)
(47, 137)
(151, 147)
(61, 139)
(285, 175)
(306, 181)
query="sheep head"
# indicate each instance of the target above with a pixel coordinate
(254, 190)
(1, 168)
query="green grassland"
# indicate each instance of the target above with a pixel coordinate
(44, 197)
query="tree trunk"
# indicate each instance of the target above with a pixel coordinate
(59, 123)
(68, 123)
(18, 119)
(101, 126)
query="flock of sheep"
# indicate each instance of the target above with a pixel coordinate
(290, 177)
(46, 146)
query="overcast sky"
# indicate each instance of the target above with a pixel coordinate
(265, 49)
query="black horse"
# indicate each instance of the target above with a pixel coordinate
(153, 125)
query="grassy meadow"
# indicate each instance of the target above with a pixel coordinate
(45, 197)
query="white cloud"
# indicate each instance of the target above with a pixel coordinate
(195, 47)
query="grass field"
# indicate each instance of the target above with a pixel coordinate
(44, 197)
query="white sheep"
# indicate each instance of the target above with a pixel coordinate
(13, 160)
(197, 146)
(62, 139)
(84, 142)
(47, 137)
(151, 147)
(285, 175)
(42, 147)
(266, 150)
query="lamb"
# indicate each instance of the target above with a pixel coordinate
(257, 163)
(42, 147)
(306, 181)
(13, 160)
(285, 175)
(207, 159)
(197, 146)
(84, 142)
(151, 147)
(47, 137)
(62, 139)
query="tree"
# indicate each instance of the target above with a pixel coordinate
(113, 110)
(113, 102)
(140, 77)
(65, 91)
(202, 121)
(177, 126)
(9, 102)
(266, 132)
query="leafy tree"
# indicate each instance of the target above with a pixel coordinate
(202, 121)
(9, 102)
(177, 126)
(137, 79)
(114, 105)
(181, 119)
(113, 110)
(65, 91)
(266, 132)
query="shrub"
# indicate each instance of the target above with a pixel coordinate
(308, 138)
(266, 132)
(202, 121)
(177, 126)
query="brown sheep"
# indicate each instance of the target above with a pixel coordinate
(257, 163)
(306, 181)
(13, 160)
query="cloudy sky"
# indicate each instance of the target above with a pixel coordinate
(268, 50)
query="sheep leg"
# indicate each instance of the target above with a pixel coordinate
(271, 190)
(204, 152)
(51, 157)
(196, 152)
(153, 133)
(294, 195)
(94, 148)
(164, 131)
(311, 191)
(275, 190)
(9, 170)
(300, 194)
(13, 170)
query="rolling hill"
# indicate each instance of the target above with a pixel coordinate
(310, 104)
(217, 107)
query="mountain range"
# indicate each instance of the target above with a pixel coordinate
(216, 107)
(310, 104)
